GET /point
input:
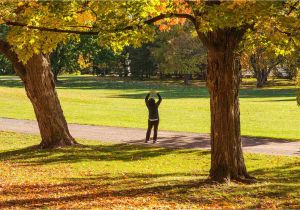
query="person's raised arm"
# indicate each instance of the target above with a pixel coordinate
(147, 97)
(159, 99)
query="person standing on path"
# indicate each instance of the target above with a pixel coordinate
(153, 118)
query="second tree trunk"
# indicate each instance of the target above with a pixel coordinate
(227, 161)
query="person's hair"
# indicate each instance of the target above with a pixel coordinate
(151, 102)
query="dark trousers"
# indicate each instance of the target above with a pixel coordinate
(150, 125)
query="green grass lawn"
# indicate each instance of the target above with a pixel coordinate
(127, 176)
(269, 112)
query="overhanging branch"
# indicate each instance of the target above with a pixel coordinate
(57, 30)
(293, 7)
(6, 50)
(170, 15)
(283, 32)
(93, 32)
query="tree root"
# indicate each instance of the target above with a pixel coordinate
(60, 144)
(246, 179)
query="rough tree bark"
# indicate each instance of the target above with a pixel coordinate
(40, 88)
(227, 161)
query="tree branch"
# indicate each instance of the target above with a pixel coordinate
(279, 60)
(170, 15)
(293, 7)
(57, 30)
(6, 50)
(283, 32)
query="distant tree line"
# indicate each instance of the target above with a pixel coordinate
(176, 53)
(173, 54)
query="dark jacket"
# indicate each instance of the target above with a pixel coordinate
(153, 110)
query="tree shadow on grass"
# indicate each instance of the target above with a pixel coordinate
(280, 174)
(90, 83)
(168, 91)
(249, 141)
(274, 185)
(268, 93)
(178, 141)
(116, 152)
(281, 182)
(11, 83)
(292, 98)
(202, 141)
(202, 92)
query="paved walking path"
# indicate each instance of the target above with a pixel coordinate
(166, 138)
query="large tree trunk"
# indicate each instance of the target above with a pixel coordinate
(227, 161)
(40, 89)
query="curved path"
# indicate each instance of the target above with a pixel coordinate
(166, 139)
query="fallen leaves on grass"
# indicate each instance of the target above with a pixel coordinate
(107, 177)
